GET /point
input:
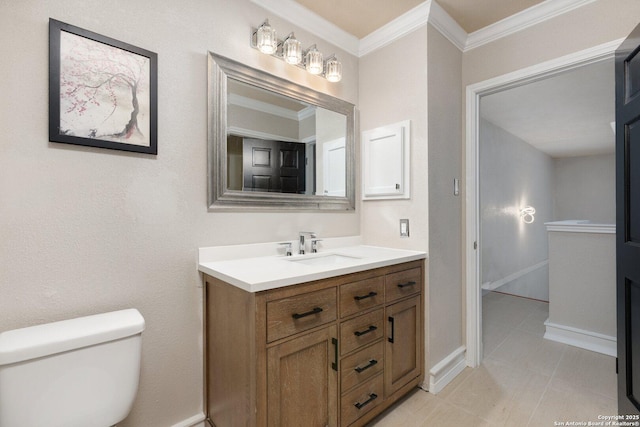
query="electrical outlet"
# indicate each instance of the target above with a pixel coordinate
(404, 228)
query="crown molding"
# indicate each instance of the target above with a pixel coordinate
(447, 26)
(399, 27)
(309, 21)
(427, 12)
(534, 15)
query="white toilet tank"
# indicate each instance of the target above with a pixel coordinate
(81, 372)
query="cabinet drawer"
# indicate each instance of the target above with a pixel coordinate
(361, 331)
(358, 296)
(403, 283)
(298, 313)
(359, 367)
(361, 400)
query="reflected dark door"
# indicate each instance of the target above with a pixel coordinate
(274, 166)
(628, 222)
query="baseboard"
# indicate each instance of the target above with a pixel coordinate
(490, 286)
(447, 369)
(197, 420)
(588, 340)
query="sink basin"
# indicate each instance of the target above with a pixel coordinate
(328, 259)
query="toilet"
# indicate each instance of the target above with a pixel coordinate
(81, 372)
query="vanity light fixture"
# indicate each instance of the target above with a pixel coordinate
(290, 50)
(527, 214)
(266, 38)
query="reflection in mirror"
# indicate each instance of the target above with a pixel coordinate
(279, 144)
(276, 144)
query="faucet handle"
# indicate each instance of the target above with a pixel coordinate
(287, 248)
(314, 245)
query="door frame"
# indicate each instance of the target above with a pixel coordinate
(474, 91)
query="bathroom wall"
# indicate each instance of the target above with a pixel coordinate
(86, 230)
(445, 209)
(584, 188)
(393, 88)
(513, 174)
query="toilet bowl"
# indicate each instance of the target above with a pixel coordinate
(81, 372)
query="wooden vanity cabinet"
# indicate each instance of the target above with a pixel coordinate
(333, 352)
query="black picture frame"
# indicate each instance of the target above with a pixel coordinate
(102, 92)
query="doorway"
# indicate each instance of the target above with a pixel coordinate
(474, 94)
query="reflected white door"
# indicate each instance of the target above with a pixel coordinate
(334, 172)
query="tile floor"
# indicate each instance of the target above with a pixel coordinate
(524, 379)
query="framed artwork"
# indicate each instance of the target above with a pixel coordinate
(102, 92)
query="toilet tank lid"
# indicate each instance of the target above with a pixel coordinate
(43, 340)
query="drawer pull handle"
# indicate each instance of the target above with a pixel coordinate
(371, 398)
(404, 285)
(372, 362)
(308, 313)
(392, 321)
(369, 295)
(334, 364)
(361, 333)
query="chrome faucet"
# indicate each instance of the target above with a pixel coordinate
(311, 234)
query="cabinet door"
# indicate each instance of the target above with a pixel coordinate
(403, 344)
(302, 381)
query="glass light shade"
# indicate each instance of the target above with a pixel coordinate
(314, 62)
(266, 39)
(292, 50)
(333, 72)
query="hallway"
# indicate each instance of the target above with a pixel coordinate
(524, 379)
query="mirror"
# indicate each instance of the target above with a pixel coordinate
(276, 144)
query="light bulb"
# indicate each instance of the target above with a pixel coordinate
(292, 50)
(333, 72)
(313, 62)
(266, 39)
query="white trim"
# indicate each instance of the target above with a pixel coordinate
(399, 27)
(447, 26)
(194, 421)
(598, 53)
(580, 227)
(490, 286)
(534, 15)
(302, 17)
(426, 12)
(264, 107)
(581, 338)
(446, 370)
(248, 133)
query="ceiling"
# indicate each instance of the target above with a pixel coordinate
(568, 114)
(362, 17)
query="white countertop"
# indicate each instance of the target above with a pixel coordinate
(264, 272)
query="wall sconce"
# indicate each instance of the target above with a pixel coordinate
(290, 50)
(266, 38)
(527, 214)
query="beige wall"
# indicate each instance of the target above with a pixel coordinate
(85, 230)
(445, 214)
(392, 89)
(585, 188)
(582, 281)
